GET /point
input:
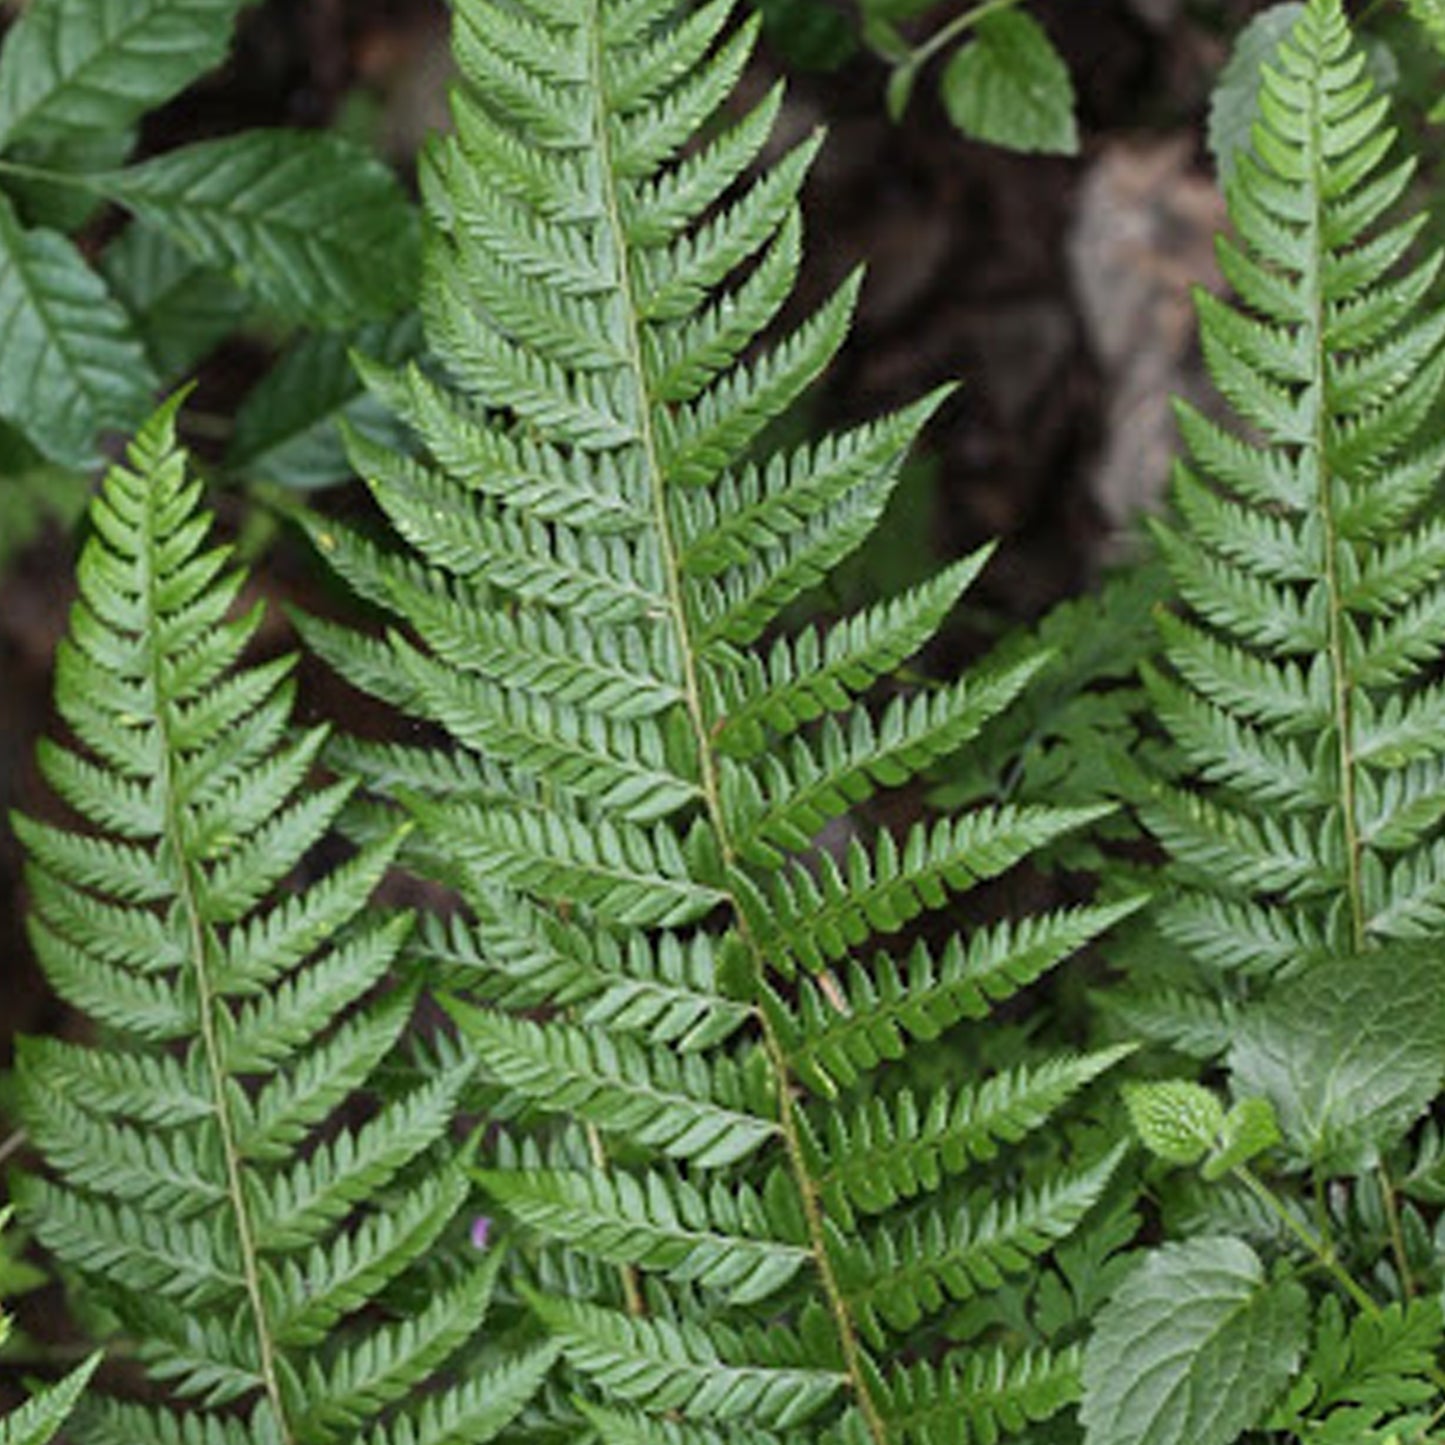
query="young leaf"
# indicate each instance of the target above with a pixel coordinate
(308, 222)
(1184, 1123)
(73, 366)
(1177, 1121)
(1192, 1349)
(1010, 86)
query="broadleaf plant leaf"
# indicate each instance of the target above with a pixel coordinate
(1176, 1120)
(289, 429)
(1182, 1122)
(180, 307)
(73, 364)
(1349, 1056)
(43, 187)
(1235, 102)
(1011, 87)
(33, 491)
(1249, 1129)
(308, 222)
(99, 66)
(1193, 1348)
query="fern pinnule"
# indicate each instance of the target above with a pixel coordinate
(1310, 565)
(209, 1182)
(663, 977)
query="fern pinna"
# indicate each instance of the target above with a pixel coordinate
(1309, 556)
(264, 1254)
(733, 1230)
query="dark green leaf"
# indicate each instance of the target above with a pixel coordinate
(60, 203)
(101, 65)
(180, 307)
(73, 365)
(288, 428)
(1349, 1056)
(1192, 1349)
(32, 492)
(1249, 1129)
(308, 222)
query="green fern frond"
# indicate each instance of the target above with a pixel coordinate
(207, 1184)
(599, 545)
(1311, 567)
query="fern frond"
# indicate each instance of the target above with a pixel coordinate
(594, 536)
(207, 1182)
(987, 1396)
(885, 1151)
(845, 1027)
(1310, 566)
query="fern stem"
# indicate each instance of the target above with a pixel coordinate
(1397, 1234)
(956, 27)
(206, 1006)
(817, 1237)
(850, 1346)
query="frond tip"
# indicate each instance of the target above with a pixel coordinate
(204, 1180)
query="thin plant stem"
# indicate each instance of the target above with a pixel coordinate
(1317, 1246)
(1397, 1235)
(955, 28)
